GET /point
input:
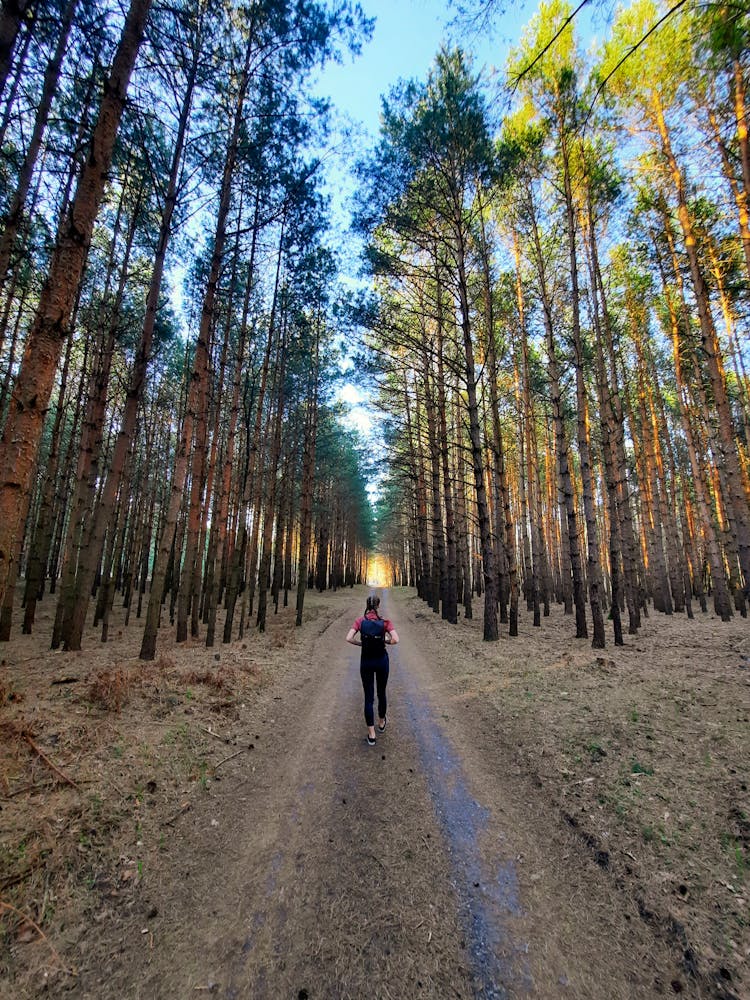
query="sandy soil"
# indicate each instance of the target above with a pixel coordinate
(536, 821)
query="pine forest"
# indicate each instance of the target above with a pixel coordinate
(534, 280)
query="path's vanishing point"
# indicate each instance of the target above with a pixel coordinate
(322, 868)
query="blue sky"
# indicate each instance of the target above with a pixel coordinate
(407, 35)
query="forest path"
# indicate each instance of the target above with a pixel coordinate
(319, 867)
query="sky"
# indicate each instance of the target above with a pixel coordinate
(406, 37)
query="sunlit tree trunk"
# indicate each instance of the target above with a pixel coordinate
(721, 593)
(571, 551)
(737, 506)
(582, 407)
(438, 584)
(23, 429)
(607, 426)
(537, 580)
(740, 111)
(424, 583)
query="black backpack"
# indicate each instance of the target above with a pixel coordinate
(372, 631)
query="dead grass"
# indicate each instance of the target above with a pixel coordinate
(224, 681)
(7, 695)
(110, 689)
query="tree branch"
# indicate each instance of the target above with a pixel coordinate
(548, 46)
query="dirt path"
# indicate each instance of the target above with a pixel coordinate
(424, 867)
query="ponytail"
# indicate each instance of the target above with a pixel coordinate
(373, 603)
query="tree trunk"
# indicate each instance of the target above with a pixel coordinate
(477, 456)
(194, 420)
(438, 583)
(39, 549)
(571, 548)
(308, 477)
(23, 429)
(607, 425)
(584, 444)
(136, 385)
(464, 546)
(14, 214)
(272, 481)
(505, 533)
(11, 15)
(721, 593)
(450, 596)
(532, 463)
(737, 507)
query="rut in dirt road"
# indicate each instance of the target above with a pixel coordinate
(325, 868)
(375, 885)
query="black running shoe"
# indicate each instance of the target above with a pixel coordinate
(370, 740)
(381, 729)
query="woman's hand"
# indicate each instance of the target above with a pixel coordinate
(352, 638)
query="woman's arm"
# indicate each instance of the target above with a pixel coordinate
(393, 637)
(352, 637)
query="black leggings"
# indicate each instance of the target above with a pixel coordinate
(371, 671)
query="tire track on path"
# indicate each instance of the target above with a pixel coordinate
(316, 866)
(487, 894)
(541, 899)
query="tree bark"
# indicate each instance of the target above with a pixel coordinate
(11, 16)
(490, 633)
(584, 444)
(195, 417)
(20, 441)
(737, 507)
(14, 214)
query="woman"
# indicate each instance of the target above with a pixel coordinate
(375, 633)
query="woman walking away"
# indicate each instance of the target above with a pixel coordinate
(375, 633)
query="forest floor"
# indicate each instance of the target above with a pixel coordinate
(538, 819)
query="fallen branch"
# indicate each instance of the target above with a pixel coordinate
(40, 932)
(15, 879)
(230, 757)
(183, 809)
(216, 736)
(48, 762)
(33, 787)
